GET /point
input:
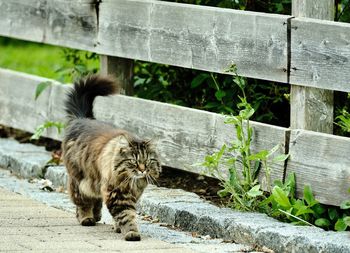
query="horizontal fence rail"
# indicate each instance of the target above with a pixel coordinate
(320, 54)
(185, 136)
(184, 35)
(190, 36)
(199, 37)
(321, 161)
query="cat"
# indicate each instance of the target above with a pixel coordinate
(104, 164)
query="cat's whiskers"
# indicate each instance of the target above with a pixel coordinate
(151, 179)
(126, 179)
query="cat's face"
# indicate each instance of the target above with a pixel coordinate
(139, 160)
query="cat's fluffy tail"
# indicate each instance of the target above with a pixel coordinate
(81, 97)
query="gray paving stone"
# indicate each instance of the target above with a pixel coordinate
(57, 175)
(26, 160)
(47, 238)
(103, 232)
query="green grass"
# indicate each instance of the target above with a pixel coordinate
(35, 58)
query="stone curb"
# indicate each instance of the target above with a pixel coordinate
(187, 211)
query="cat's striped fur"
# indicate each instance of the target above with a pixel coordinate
(104, 163)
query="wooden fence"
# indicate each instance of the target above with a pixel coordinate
(287, 49)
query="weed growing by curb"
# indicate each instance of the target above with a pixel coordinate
(241, 183)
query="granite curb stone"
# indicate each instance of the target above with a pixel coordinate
(186, 210)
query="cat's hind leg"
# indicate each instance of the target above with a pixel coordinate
(84, 205)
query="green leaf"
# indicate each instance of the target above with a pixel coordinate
(319, 209)
(340, 225)
(255, 192)
(247, 113)
(346, 220)
(222, 193)
(198, 80)
(304, 210)
(281, 197)
(256, 169)
(81, 69)
(221, 152)
(308, 196)
(290, 184)
(280, 158)
(41, 87)
(262, 155)
(322, 222)
(266, 201)
(345, 204)
(333, 213)
(219, 94)
(278, 183)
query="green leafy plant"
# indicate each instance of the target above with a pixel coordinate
(283, 205)
(48, 124)
(343, 120)
(241, 183)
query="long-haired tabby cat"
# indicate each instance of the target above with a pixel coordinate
(104, 163)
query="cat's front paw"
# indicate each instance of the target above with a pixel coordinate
(132, 236)
(88, 222)
(117, 228)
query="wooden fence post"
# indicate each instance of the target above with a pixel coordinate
(312, 108)
(121, 68)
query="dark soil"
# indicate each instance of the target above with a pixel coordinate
(24, 137)
(205, 187)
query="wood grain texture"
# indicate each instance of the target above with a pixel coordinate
(190, 36)
(311, 108)
(196, 37)
(59, 22)
(18, 109)
(320, 54)
(121, 69)
(321, 161)
(318, 9)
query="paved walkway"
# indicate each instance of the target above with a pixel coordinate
(28, 225)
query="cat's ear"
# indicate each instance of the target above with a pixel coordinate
(123, 142)
(152, 143)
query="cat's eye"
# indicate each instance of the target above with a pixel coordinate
(151, 161)
(132, 162)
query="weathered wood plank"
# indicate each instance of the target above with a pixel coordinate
(320, 54)
(185, 136)
(72, 23)
(184, 35)
(18, 109)
(23, 19)
(311, 108)
(196, 37)
(321, 161)
(59, 22)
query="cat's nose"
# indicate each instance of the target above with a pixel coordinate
(142, 167)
